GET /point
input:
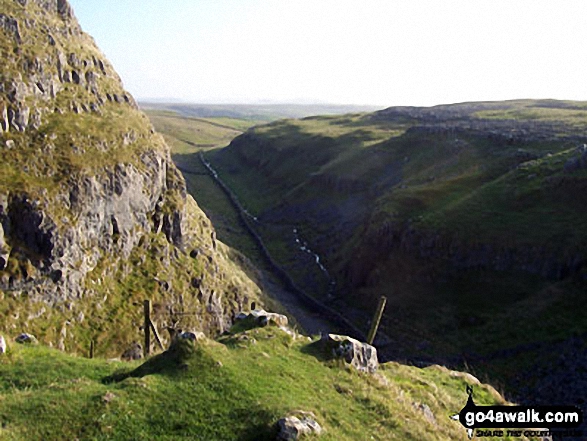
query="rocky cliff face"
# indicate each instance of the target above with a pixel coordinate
(461, 254)
(93, 213)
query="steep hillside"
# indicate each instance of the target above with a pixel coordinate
(235, 389)
(94, 215)
(469, 218)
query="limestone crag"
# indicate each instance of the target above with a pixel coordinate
(46, 64)
(393, 237)
(107, 214)
(92, 207)
(107, 211)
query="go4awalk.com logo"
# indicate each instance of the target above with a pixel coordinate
(474, 417)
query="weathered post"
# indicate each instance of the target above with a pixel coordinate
(376, 320)
(147, 327)
(92, 348)
(156, 334)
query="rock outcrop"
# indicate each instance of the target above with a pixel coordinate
(297, 426)
(25, 338)
(394, 237)
(259, 318)
(361, 356)
(134, 352)
(92, 209)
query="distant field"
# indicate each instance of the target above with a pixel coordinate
(188, 135)
(260, 113)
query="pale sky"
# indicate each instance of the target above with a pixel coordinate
(388, 52)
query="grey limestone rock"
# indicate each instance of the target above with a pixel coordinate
(295, 427)
(56, 6)
(259, 318)
(362, 356)
(10, 26)
(25, 338)
(194, 336)
(112, 213)
(134, 352)
(20, 118)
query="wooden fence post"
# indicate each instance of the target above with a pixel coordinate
(376, 320)
(92, 348)
(156, 334)
(147, 327)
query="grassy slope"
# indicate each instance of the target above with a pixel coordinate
(463, 182)
(235, 389)
(318, 173)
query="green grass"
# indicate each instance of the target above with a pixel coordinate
(479, 189)
(188, 135)
(233, 389)
(351, 182)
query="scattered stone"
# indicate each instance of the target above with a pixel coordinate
(246, 341)
(135, 352)
(260, 318)
(25, 338)
(3, 346)
(193, 336)
(108, 397)
(382, 380)
(362, 356)
(292, 427)
(425, 409)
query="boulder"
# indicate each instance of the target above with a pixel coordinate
(260, 318)
(25, 338)
(293, 427)
(3, 346)
(362, 356)
(135, 352)
(194, 336)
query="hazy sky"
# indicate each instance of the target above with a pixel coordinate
(389, 52)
